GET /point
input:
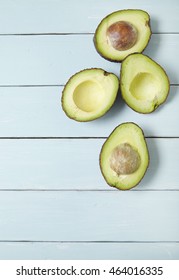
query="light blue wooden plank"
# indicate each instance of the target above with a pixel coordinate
(44, 60)
(37, 111)
(89, 216)
(74, 164)
(34, 16)
(65, 164)
(88, 251)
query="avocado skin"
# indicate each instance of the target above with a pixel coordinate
(119, 60)
(113, 185)
(92, 119)
(157, 105)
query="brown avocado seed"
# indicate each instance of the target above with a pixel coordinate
(122, 35)
(124, 159)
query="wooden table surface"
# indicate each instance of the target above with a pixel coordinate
(54, 202)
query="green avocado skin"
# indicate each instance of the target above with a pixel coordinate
(94, 117)
(97, 46)
(122, 87)
(114, 185)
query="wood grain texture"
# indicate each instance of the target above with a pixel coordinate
(89, 216)
(88, 251)
(51, 60)
(32, 16)
(54, 202)
(74, 164)
(37, 112)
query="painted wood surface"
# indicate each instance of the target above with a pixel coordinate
(89, 216)
(89, 251)
(61, 16)
(74, 164)
(54, 202)
(51, 60)
(37, 112)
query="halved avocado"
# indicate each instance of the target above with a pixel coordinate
(124, 157)
(121, 33)
(89, 94)
(144, 83)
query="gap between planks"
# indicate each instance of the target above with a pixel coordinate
(86, 190)
(55, 85)
(72, 34)
(74, 138)
(91, 242)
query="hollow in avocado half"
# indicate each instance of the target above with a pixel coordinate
(144, 84)
(89, 94)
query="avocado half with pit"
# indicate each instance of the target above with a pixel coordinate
(144, 83)
(121, 33)
(124, 156)
(89, 94)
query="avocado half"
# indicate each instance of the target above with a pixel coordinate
(144, 84)
(124, 156)
(121, 33)
(89, 94)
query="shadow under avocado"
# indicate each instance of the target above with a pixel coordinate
(170, 98)
(116, 109)
(153, 47)
(153, 167)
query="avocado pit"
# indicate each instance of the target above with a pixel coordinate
(122, 35)
(124, 159)
(88, 96)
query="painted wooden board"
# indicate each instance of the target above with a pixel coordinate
(38, 16)
(89, 216)
(54, 202)
(37, 112)
(89, 251)
(51, 60)
(74, 164)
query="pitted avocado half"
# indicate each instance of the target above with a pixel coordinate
(144, 83)
(124, 157)
(89, 94)
(121, 33)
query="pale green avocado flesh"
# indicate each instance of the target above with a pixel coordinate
(144, 83)
(124, 157)
(122, 33)
(89, 94)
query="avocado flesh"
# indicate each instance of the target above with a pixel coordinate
(129, 135)
(144, 83)
(139, 19)
(89, 94)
